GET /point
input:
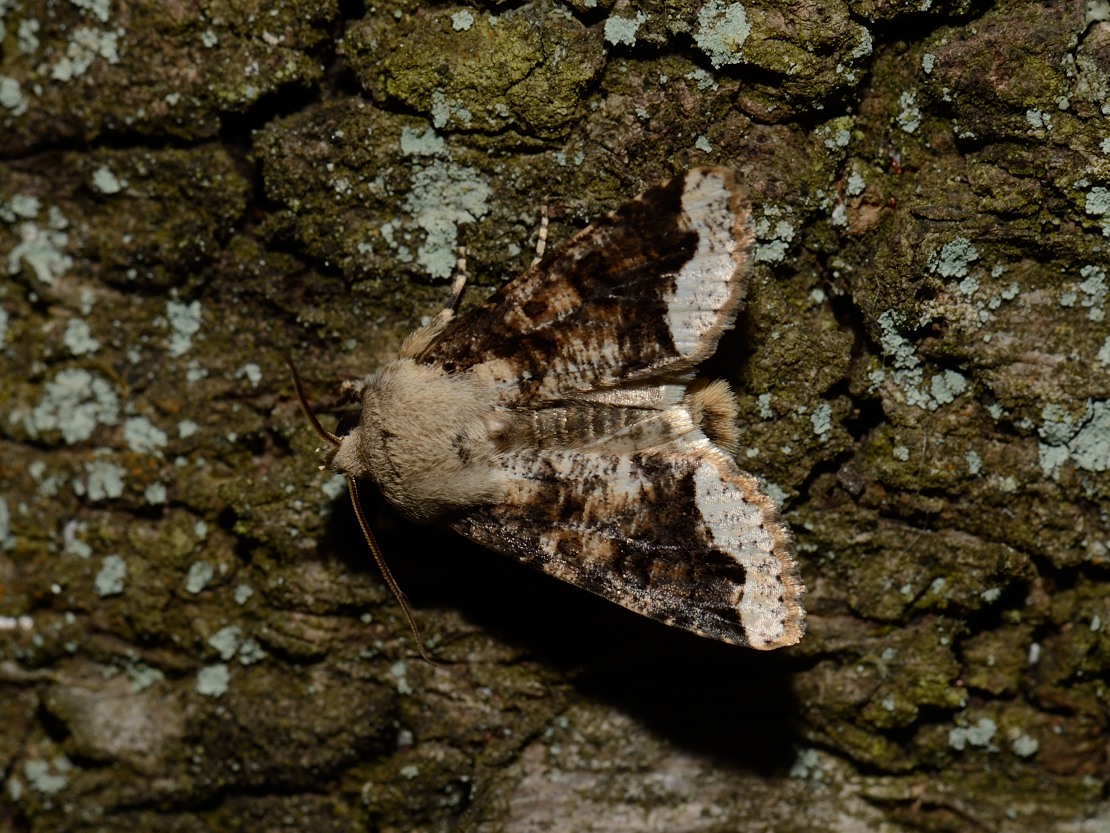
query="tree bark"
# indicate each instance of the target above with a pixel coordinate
(192, 636)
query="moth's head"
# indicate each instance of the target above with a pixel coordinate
(349, 454)
(342, 457)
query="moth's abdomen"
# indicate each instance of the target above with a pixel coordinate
(576, 425)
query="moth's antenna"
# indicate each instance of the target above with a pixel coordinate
(380, 559)
(333, 440)
(324, 433)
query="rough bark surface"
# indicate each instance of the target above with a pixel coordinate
(191, 634)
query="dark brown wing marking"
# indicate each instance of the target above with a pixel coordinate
(643, 293)
(679, 534)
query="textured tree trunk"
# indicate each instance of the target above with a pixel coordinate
(192, 636)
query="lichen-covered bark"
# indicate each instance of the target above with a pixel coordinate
(191, 637)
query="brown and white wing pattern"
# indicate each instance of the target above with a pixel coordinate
(643, 293)
(558, 422)
(677, 533)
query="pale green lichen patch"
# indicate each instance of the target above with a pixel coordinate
(621, 31)
(109, 581)
(1024, 746)
(142, 677)
(251, 372)
(213, 680)
(763, 403)
(1093, 291)
(1103, 355)
(1083, 441)
(443, 197)
(837, 134)
(184, 321)
(722, 30)
(981, 734)
(774, 232)
(909, 116)
(226, 641)
(42, 248)
(1090, 445)
(73, 404)
(908, 377)
(199, 575)
(78, 338)
(1097, 201)
(20, 206)
(1038, 120)
(27, 35)
(143, 436)
(425, 142)
(104, 480)
(399, 671)
(230, 640)
(812, 56)
(953, 259)
(86, 45)
(363, 230)
(72, 544)
(155, 494)
(946, 386)
(12, 96)
(250, 652)
(97, 8)
(48, 777)
(462, 20)
(106, 182)
(821, 419)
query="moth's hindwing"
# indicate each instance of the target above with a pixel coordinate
(678, 533)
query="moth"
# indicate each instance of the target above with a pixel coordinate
(560, 422)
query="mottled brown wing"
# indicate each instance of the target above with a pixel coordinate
(643, 293)
(677, 533)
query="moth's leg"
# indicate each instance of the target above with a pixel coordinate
(421, 338)
(541, 237)
(459, 284)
